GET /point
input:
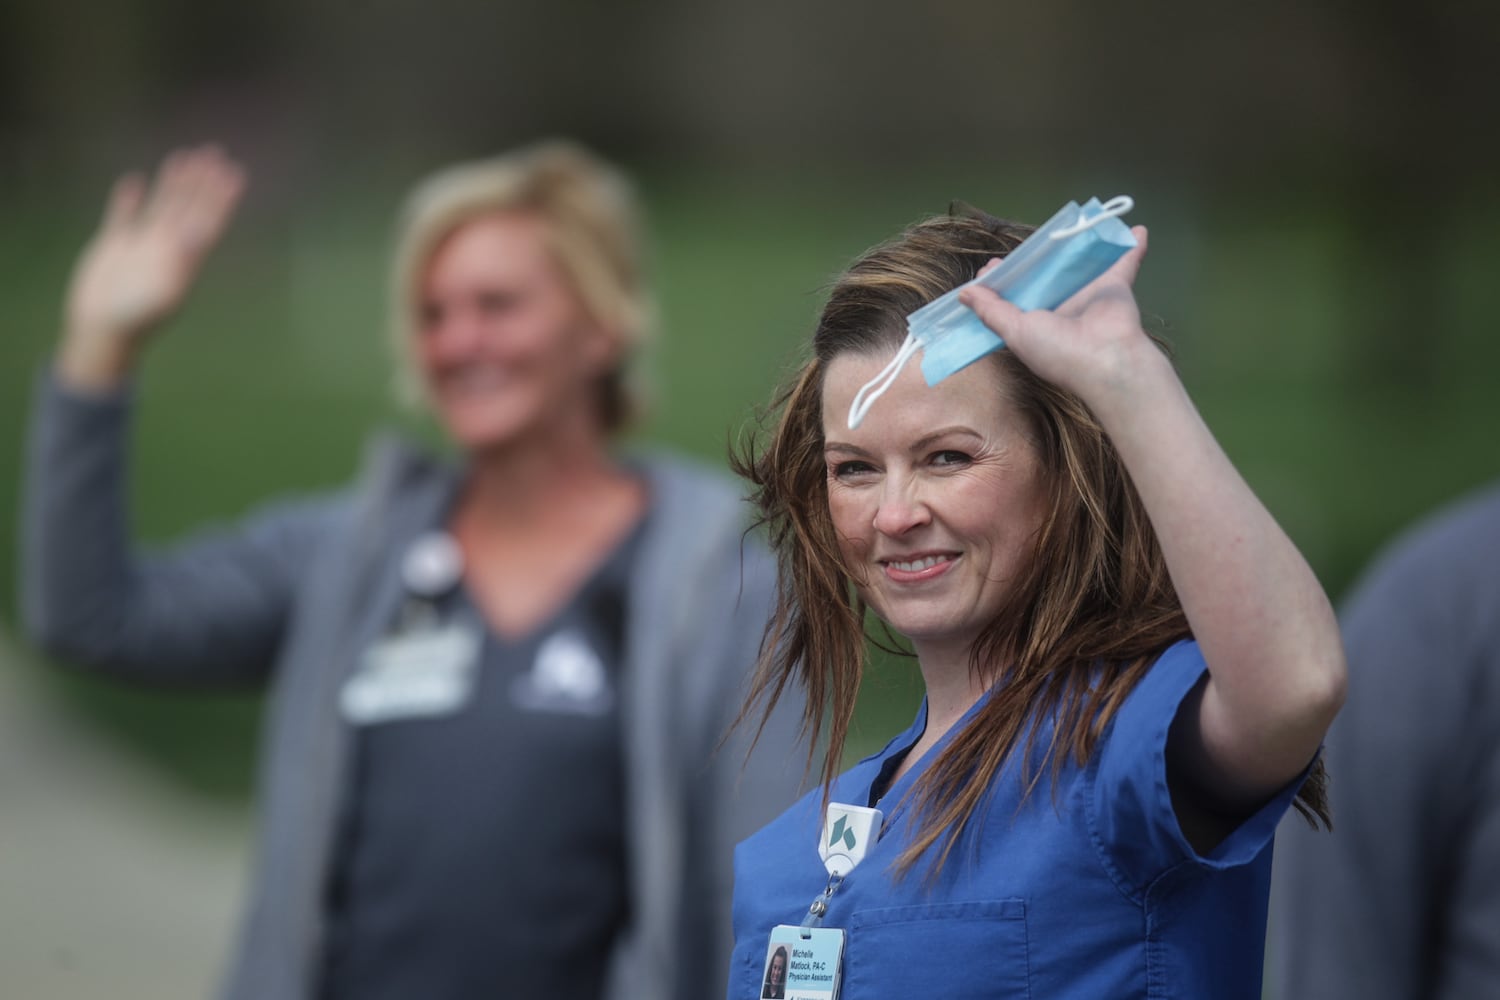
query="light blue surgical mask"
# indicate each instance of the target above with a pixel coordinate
(1074, 247)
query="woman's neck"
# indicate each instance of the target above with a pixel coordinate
(548, 470)
(537, 481)
(953, 687)
(534, 521)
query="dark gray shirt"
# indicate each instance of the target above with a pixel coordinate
(484, 848)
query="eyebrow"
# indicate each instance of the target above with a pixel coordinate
(917, 445)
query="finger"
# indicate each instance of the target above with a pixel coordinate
(989, 266)
(125, 198)
(188, 185)
(1129, 265)
(1122, 272)
(996, 313)
(204, 188)
(228, 185)
(220, 180)
(219, 197)
(166, 187)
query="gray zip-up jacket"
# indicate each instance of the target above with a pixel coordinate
(289, 596)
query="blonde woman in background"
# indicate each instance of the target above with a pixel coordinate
(496, 683)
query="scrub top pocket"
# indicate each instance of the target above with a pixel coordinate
(958, 951)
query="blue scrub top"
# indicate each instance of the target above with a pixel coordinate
(1090, 890)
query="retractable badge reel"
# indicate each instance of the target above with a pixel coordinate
(426, 666)
(1075, 246)
(806, 962)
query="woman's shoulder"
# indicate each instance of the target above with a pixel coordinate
(1172, 674)
(681, 481)
(698, 514)
(391, 459)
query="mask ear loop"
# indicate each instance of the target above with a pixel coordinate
(873, 389)
(1116, 206)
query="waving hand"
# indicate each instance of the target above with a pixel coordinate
(144, 259)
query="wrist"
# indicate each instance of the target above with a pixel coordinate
(93, 360)
(1140, 376)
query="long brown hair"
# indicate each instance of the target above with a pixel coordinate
(1091, 612)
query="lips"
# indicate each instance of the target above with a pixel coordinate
(475, 380)
(918, 566)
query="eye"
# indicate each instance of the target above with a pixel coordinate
(429, 315)
(495, 303)
(951, 458)
(850, 469)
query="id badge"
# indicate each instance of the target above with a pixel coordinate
(423, 673)
(803, 963)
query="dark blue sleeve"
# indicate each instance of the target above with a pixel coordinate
(1131, 817)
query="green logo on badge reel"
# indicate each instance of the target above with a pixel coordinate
(851, 830)
(841, 832)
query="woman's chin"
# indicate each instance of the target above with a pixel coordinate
(477, 429)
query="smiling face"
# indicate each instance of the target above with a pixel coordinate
(504, 345)
(936, 498)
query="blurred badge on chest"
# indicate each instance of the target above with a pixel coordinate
(568, 676)
(803, 963)
(421, 673)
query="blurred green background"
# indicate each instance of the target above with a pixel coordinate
(277, 369)
(1317, 181)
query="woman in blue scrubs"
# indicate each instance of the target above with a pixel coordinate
(1129, 668)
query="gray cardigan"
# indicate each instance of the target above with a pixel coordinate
(290, 595)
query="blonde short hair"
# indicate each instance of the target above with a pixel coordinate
(594, 232)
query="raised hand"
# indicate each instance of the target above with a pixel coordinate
(1275, 661)
(145, 257)
(1092, 344)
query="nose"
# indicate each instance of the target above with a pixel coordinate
(451, 336)
(901, 507)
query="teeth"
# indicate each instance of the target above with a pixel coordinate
(475, 380)
(916, 564)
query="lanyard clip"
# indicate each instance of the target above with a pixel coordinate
(819, 906)
(848, 832)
